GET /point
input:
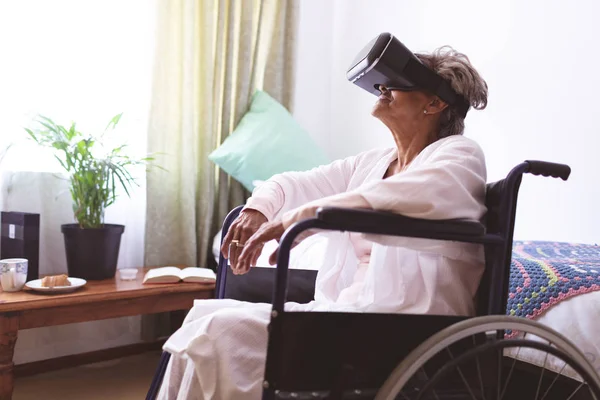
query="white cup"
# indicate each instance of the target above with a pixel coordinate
(13, 274)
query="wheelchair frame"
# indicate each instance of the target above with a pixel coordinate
(496, 236)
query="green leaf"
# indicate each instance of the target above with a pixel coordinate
(118, 149)
(32, 135)
(51, 127)
(63, 131)
(117, 171)
(82, 147)
(114, 121)
(62, 163)
(60, 145)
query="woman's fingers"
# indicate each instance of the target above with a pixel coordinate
(234, 242)
(243, 264)
(234, 252)
(254, 245)
(245, 233)
(250, 261)
(229, 248)
(273, 257)
(227, 240)
(256, 255)
(247, 223)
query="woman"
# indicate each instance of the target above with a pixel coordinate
(433, 172)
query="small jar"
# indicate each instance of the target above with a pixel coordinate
(128, 274)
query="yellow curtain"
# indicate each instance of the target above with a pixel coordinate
(211, 56)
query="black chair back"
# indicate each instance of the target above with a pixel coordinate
(501, 203)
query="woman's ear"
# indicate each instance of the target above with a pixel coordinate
(436, 106)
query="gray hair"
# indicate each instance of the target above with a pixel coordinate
(456, 68)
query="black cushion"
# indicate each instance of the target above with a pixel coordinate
(257, 285)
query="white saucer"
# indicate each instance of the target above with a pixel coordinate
(76, 283)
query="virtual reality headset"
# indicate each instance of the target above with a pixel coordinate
(386, 61)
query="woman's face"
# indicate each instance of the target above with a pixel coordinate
(395, 106)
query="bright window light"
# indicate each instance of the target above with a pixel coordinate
(73, 60)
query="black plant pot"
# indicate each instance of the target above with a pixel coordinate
(92, 254)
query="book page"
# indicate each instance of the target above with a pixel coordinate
(163, 275)
(193, 274)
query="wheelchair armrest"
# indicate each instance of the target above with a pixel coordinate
(376, 222)
(386, 223)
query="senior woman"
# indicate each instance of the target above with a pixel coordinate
(433, 172)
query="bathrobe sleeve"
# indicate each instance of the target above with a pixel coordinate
(449, 183)
(289, 190)
(445, 183)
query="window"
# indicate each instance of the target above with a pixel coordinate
(82, 61)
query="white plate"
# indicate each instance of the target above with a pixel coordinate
(76, 283)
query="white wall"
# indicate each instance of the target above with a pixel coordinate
(539, 58)
(312, 91)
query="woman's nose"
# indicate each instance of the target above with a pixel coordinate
(383, 89)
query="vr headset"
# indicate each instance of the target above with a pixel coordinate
(386, 61)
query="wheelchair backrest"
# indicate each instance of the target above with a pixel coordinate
(501, 203)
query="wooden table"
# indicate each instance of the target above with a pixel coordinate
(111, 298)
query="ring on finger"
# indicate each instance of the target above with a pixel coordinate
(229, 251)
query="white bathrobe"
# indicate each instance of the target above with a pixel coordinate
(220, 351)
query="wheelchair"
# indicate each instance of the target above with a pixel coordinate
(333, 355)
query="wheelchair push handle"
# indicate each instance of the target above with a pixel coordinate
(545, 168)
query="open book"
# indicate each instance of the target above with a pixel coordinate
(174, 274)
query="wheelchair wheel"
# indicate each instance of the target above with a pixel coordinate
(494, 357)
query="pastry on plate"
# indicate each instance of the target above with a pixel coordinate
(55, 280)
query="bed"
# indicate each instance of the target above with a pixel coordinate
(558, 285)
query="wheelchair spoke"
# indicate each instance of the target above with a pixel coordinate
(575, 391)
(427, 378)
(554, 380)
(591, 392)
(479, 371)
(461, 375)
(499, 367)
(474, 364)
(512, 367)
(537, 392)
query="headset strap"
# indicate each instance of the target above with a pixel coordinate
(425, 78)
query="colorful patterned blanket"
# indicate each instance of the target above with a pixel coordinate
(545, 273)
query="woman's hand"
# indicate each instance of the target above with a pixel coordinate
(253, 247)
(248, 222)
(272, 231)
(253, 236)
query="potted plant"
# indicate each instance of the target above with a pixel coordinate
(95, 175)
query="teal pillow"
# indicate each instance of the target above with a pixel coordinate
(266, 142)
